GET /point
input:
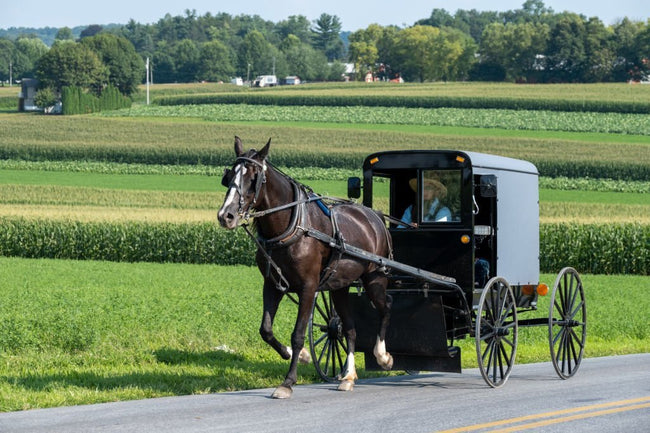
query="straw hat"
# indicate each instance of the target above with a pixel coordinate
(432, 185)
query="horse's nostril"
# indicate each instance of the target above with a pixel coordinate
(230, 217)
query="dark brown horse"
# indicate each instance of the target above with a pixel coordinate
(292, 260)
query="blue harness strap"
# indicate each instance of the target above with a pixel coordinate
(322, 206)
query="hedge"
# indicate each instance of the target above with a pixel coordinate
(265, 98)
(77, 101)
(590, 248)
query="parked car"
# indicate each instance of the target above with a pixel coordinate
(265, 81)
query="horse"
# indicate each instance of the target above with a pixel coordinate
(292, 260)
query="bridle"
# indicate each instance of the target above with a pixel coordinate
(229, 177)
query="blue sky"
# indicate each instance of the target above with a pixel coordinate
(354, 14)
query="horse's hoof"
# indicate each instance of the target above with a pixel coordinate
(387, 362)
(282, 392)
(346, 385)
(304, 357)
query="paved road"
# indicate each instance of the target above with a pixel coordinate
(610, 394)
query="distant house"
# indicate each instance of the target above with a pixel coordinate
(27, 95)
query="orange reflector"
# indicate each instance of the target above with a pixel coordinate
(374, 160)
(527, 289)
(542, 289)
(460, 159)
(464, 239)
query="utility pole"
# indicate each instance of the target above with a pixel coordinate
(147, 67)
(11, 72)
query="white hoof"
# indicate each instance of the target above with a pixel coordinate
(282, 392)
(386, 361)
(346, 385)
(304, 357)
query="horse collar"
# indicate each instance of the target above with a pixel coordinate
(295, 229)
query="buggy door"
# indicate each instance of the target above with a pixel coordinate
(431, 193)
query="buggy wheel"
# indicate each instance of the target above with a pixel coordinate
(327, 343)
(567, 330)
(496, 332)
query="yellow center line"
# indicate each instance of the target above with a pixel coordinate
(574, 417)
(558, 413)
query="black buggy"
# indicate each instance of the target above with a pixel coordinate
(465, 230)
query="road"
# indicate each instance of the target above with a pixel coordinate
(610, 394)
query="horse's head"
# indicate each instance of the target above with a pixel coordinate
(244, 182)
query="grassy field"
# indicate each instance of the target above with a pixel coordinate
(83, 332)
(619, 92)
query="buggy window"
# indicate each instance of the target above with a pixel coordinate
(440, 196)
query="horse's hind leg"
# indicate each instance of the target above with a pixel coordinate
(342, 305)
(375, 285)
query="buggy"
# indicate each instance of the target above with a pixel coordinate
(466, 265)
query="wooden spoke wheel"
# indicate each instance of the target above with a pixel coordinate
(327, 343)
(567, 323)
(496, 332)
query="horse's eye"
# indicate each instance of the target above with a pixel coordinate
(227, 177)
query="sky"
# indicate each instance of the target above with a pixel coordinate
(354, 15)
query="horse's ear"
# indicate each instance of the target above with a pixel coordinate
(239, 148)
(265, 150)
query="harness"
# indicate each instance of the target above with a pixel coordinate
(297, 225)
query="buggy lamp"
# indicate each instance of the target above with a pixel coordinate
(464, 239)
(542, 289)
(530, 289)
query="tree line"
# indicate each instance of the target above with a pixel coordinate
(531, 44)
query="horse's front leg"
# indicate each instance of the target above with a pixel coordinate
(305, 306)
(272, 298)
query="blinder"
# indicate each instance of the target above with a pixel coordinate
(227, 177)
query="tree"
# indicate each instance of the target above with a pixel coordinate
(327, 29)
(566, 55)
(514, 47)
(262, 57)
(125, 67)
(186, 57)
(71, 64)
(31, 49)
(64, 34)
(297, 25)
(215, 62)
(417, 46)
(91, 30)
(363, 51)
(303, 60)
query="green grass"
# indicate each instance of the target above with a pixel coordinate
(85, 332)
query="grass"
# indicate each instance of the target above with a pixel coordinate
(87, 332)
